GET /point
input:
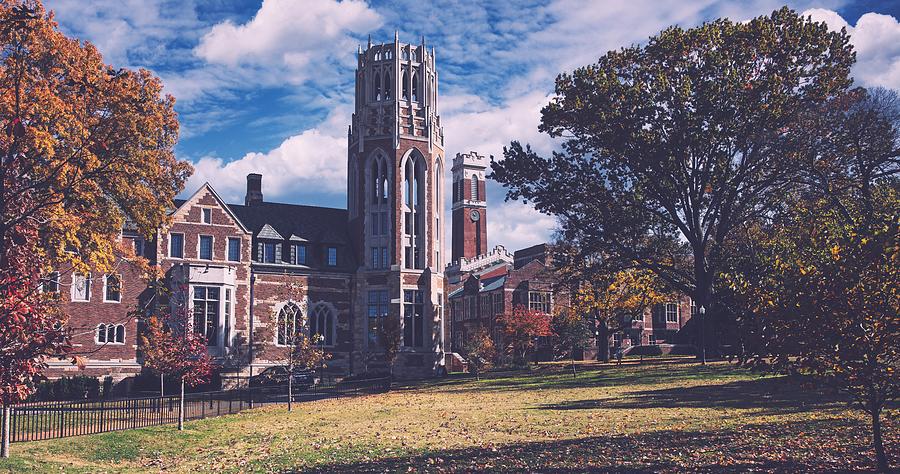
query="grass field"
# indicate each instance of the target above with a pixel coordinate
(672, 417)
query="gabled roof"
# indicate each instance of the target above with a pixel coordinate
(267, 232)
(178, 203)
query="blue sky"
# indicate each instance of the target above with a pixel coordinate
(267, 86)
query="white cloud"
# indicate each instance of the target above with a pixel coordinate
(288, 41)
(474, 125)
(488, 129)
(516, 226)
(311, 164)
(876, 39)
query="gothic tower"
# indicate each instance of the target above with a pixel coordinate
(469, 206)
(395, 194)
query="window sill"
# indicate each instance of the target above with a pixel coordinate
(112, 301)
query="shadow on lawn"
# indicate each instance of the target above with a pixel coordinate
(765, 447)
(775, 395)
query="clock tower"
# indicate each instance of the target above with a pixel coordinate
(469, 206)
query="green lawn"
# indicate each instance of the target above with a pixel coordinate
(671, 417)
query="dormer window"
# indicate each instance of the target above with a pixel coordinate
(268, 252)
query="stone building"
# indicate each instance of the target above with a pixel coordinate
(337, 272)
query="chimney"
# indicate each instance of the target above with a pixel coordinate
(254, 189)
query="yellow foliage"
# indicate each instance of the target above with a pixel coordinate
(97, 146)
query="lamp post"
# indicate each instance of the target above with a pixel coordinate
(702, 336)
(250, 343)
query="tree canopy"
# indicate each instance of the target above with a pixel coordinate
(672, 144)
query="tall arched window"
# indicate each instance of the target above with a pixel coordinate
(474, 188)
(376, 181)
(288, 323)
(377, 85)
(321, 322)
(405, 85)
(414, 184)
(439, 184)
(415, 87)
(438, 208)
(387, 85)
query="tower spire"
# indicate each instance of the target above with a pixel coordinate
(370, 40)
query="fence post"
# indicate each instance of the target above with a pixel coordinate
(7, 413)
(61, 420)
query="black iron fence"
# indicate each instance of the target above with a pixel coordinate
(47, 420)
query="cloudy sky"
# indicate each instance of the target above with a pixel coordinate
(267, 86)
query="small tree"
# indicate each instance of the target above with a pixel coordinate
(480, 352)
(171, 347)
(521, 328)
(571, 332)
(389, 336)
(304, 352)
(606, 294)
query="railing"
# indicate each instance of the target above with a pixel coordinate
(48, 420)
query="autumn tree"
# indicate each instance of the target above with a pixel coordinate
(521, 329)
(172, 347)
(609, 295)
(673, 144)
(96, 143)
(31, 327)
(389, 338)
(83, 145)
(480, 352)
(822, 278)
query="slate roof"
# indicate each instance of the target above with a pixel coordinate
(315, 224)
(494, 283)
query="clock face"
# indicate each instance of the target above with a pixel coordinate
(474, 215)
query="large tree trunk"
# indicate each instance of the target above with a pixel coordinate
(878, 443)
(602, 340)
(704, 301)
(4, 448)
(181, 407)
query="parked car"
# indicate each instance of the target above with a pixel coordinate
(278, 375)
